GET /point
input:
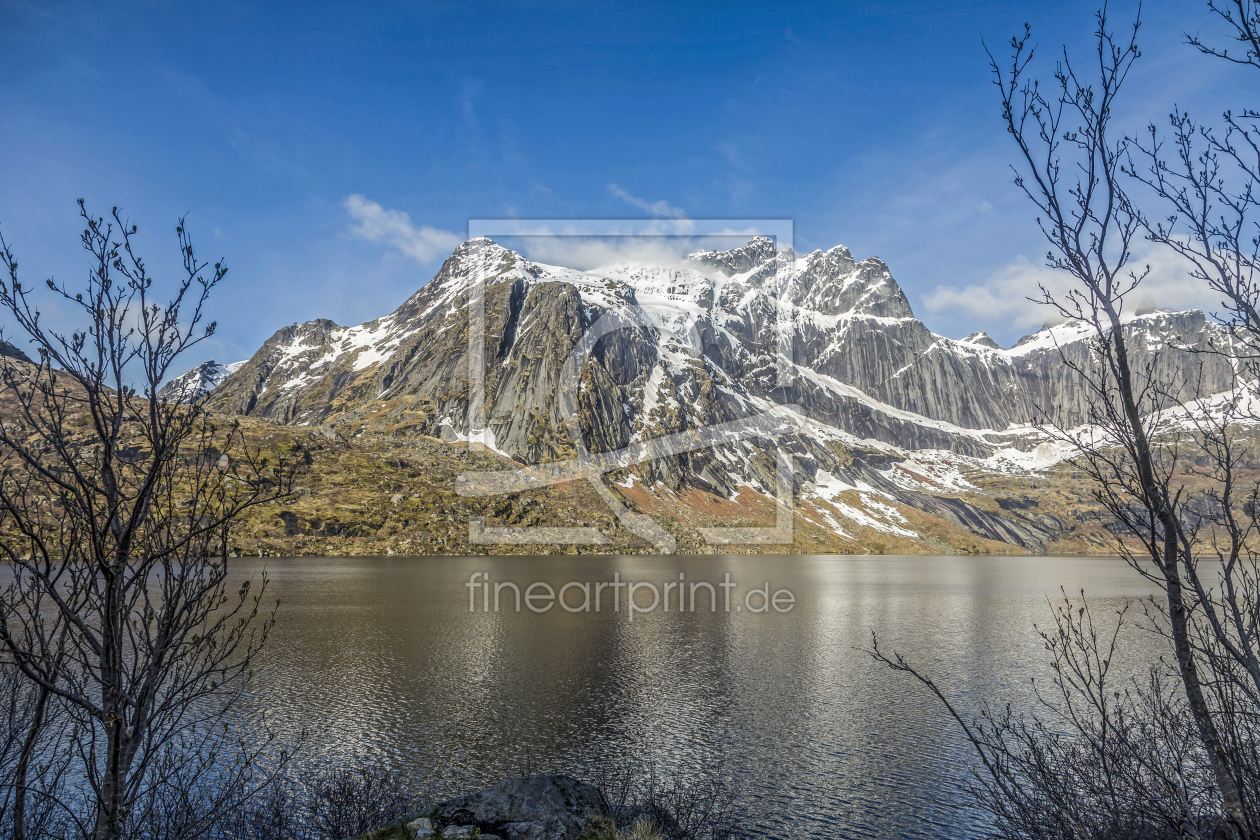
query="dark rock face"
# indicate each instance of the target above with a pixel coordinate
(533, 808)
(608, 359)
(12, 351)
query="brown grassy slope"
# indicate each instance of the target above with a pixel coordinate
(374, 490)
(375, 486)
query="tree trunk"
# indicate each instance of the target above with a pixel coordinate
(1170, 565)
(23, 765)
(1231, 796)
(111, 817)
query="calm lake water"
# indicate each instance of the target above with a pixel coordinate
(381, 658)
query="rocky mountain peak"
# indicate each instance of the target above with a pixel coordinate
(982, 339)
(758, 251)
(198, 382)
(853, 342)
(475, 255)
(732, 335)
(479, 258)
(1153, 329)
(480, 254)
(315, 333)
(837, 261)
(830, 283)
(476, 245)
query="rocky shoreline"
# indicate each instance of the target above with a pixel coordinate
(546, 807)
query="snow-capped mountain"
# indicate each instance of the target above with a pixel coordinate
(198, 382)
(823, 348)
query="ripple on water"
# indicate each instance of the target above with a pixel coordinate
(381, 658)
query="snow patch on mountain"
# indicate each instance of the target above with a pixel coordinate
(821, 348)
(830, 489)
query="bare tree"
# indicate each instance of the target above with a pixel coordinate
(1097, 757)
(1170, 476)
(32, 756)
(115, 511)
(1208, 181)
(1071, 169)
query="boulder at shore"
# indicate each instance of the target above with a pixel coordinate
(533, 808)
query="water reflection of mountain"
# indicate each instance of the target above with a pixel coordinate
(380, 657)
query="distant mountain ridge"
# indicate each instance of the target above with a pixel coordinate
(198, 382)
(827, 344)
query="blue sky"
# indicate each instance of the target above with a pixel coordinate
(872, 124)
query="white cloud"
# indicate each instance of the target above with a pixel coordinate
(586, 253)
(393, 227)
(1001, 302)
(661, 209)
(663, 245)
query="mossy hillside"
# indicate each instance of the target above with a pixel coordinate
(372, 484)
(370, 487)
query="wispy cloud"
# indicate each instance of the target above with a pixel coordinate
(592, 253)
(393, 227)
(661, 209)
(1002, 300)
(662, 243)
